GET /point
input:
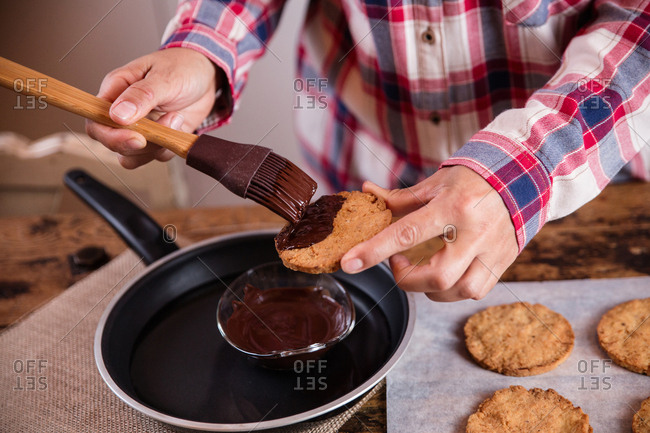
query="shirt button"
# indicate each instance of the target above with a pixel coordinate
(428, 36)
(435, 118)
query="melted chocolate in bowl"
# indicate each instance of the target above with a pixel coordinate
(284, 319)
(315, 225)
(276, 315)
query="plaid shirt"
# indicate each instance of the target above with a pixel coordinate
(546, 99)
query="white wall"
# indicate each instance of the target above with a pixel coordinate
(79, 41)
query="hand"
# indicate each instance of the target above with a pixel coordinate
(180, 82)
(455, 197)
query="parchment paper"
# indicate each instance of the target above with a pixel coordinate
(436, 386)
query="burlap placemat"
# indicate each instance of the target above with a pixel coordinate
(49, 381)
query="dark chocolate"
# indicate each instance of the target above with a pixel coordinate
(280, 319)
(316, 224)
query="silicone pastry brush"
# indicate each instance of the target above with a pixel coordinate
(247, 170)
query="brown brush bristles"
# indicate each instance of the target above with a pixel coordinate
(282, 187)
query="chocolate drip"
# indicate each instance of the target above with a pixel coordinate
(315, 225)
(280, 319)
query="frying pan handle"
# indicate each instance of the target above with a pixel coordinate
(140, 232)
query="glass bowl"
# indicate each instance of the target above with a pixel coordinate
(278, 316)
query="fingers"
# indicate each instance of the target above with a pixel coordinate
(138, 99)
(475, 283)
(122, 141)
(134, 90)
(135, 161)
(411, 230)
(441, 273)
(132, 147)
(124, 88)
(132, 100)
(178, 81)
(480, 245)
(470, 282)
(417, 225)
(173, 80)
(116, 81)
(417, 278)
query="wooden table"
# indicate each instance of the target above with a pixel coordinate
(607, 238)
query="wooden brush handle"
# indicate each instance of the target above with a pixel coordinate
(29, 82)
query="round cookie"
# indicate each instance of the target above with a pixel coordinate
(641, 420)
(361, 216)
(518, 409)
(624, 333)
(518, 339)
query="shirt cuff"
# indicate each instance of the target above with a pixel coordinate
(518, 176)
(222, 52)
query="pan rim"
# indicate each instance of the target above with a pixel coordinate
(262, 425)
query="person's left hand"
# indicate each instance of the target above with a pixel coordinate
(480, 240)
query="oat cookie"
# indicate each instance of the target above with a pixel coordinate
(518, 339)
(624, 333)
(361, 216)
(641, 420)
(517, 409)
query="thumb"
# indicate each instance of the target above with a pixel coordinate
(137, 100)
(135, 89)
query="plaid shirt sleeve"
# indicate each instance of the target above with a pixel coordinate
(232, 35)
(561, 149)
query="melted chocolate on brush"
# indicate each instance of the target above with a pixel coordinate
(315, 225)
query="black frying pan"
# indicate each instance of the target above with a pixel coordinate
(158, 348)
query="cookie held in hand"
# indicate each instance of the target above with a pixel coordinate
(624, 333)
(330, 227)
(517, 409)
(519, 339)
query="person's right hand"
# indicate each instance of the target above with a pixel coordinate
(179, 82)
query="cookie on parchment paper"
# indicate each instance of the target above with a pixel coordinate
(641, 420)
(361, 216)
(624, 333)
(517, 409)
(518, 339)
